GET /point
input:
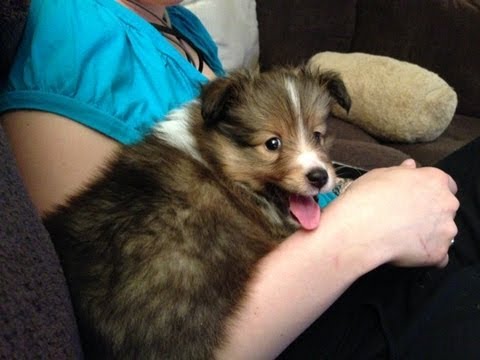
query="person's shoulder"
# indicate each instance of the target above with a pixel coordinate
(58, 12)
(66, 25)
(66, 41)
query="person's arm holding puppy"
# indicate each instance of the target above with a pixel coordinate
(299, 280)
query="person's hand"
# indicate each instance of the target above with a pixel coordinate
(403, 215)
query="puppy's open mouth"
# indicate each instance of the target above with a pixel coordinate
(305, 210)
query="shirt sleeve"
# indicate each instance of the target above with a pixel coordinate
(99, 64)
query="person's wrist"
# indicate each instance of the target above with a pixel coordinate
(352, 247)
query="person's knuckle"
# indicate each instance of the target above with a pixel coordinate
(455, 204)
(452, 230)
(440, 252)
(450, 205)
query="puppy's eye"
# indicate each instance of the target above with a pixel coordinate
(273, 144)
(318, 136)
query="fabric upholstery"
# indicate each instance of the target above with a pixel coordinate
(290, 31)
(36, 318)
(12, 20)
(440, 35)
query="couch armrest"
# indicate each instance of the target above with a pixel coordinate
(36, 313)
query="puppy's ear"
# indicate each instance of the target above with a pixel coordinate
(334, 84)
(336, 88)
(219, 95)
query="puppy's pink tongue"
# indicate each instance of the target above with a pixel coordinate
(306, 211)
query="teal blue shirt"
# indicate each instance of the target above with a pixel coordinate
(326, 198)
(102, 65)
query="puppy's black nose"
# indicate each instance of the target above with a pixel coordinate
(317, 177)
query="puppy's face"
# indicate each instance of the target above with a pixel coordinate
(270, 128)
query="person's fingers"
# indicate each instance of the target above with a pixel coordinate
(444, 262)
(410, 163)
(452, 185)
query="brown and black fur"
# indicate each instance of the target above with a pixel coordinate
(158, 251)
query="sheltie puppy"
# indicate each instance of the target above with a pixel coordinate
(159, 249)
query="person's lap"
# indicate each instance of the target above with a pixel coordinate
(412, 313)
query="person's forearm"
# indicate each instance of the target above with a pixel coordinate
(294, 285)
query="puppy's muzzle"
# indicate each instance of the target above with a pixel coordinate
(317, 177)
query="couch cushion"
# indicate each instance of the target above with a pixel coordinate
(13, 14)
(37, 318)
(353, 146)
(462, 130)
(292, 31)
(440, 35)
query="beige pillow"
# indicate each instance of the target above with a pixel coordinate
(391, 99)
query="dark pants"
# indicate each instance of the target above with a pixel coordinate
(419, 313)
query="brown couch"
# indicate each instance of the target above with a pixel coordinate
(440, 35)
(36, 316)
